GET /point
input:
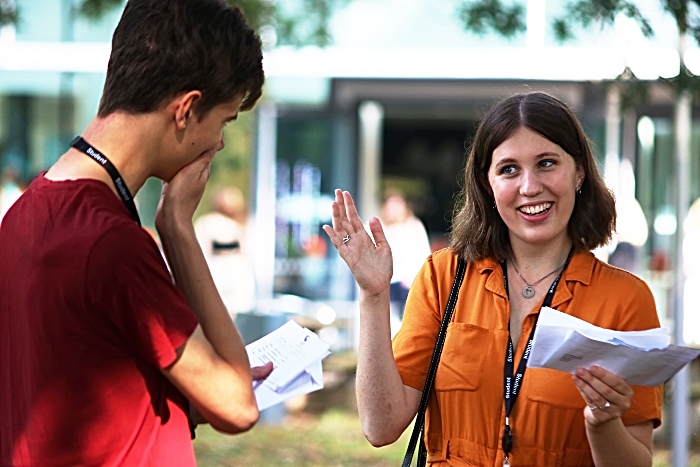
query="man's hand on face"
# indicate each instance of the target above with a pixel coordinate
(181, 195)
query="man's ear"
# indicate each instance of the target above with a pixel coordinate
(183, 108)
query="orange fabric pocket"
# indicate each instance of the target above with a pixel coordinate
(463, 357)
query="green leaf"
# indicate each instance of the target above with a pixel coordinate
(95, 9)
(562, 31)
(482, 16)
(8, 14)
(308, 25)
(258, 13)
(585, 12)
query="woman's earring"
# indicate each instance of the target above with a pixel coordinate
(578, 192)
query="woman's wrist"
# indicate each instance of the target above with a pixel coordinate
(601, 427)
(375, 298)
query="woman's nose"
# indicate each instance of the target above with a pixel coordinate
(531, 185)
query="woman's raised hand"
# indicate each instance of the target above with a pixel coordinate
(370, 262)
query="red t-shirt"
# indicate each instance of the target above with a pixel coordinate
(88, 317)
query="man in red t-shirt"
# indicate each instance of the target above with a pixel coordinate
(105, 358)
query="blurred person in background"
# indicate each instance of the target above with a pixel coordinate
(222, 236)
(533, 208)
(106, 358)
(409, 246)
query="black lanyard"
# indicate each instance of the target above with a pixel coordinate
(513, 382)
(80, 144)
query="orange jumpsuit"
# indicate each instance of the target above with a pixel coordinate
(466, 413)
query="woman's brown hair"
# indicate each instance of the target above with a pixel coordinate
(477, 229)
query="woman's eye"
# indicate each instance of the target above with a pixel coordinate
(546, 163)
(508, 170)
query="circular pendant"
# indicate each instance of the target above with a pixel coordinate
(528, 292)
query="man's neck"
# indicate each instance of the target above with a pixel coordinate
(125, 140)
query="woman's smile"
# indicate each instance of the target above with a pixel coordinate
(535, 209)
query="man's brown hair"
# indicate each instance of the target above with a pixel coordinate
(477, 229)
(162, 48)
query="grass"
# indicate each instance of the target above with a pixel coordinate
(332, 439)
(322, 429)
(662, 458)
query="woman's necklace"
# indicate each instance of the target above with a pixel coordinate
(529, 291)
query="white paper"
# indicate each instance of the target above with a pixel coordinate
(566, 343)
(296, 354)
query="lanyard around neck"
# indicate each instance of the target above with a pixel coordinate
(513, 382)
(80, 144)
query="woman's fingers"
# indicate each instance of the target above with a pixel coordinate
(351, 212)
(370, 266)
(606, 395)
(330, 231)
(608, 384)
(375, 226)
(338, 211)
(592, 389)
(345, 219)
(342, 229)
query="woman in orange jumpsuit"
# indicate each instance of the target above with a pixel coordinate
(533, 208)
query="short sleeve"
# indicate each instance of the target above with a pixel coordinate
(414, 343)
(129, 282)
(639, 313)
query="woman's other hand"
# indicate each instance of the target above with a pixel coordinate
(369, 261)
(607, 395)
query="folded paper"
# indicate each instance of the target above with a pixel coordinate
(566, 343)
(296, 354)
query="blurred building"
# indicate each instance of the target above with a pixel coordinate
(392, 102)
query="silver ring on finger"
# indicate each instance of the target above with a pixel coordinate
(593, 407)
(606, 406)
(346, 239)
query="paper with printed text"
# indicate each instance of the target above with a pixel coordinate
(565, 343)
(296, 354)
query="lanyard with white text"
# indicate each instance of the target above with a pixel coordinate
(512, 382)
(80, 144)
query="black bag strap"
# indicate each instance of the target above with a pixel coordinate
(430, 379)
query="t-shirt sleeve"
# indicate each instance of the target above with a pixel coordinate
(414, 343)
(129, 282)
(639, 313)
